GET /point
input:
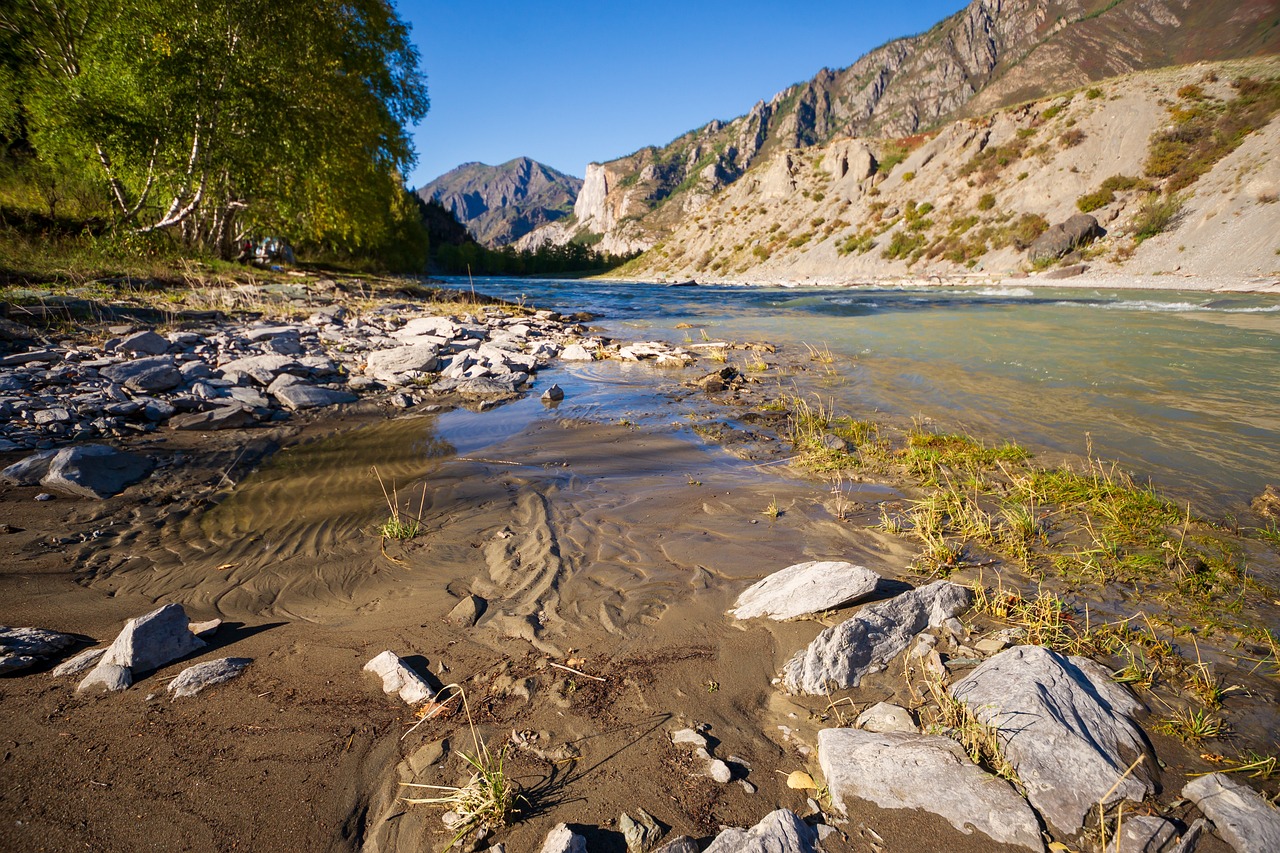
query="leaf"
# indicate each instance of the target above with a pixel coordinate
(801, 780)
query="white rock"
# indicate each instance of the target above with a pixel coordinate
(1065, 726)
(389, 365)
(562, 840)
(146, 643)
(79, 663)
(688, 737)
(23, 647)
(805, 588)
(1240, 815)
(576, 352)
(901, 770)
(843, 654)
(193, 679)
(779, 832)
(884, 717)
(399, 679)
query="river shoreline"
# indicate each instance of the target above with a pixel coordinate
(601, 545)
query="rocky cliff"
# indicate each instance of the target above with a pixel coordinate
(1180, 168)
(500, 204)
(990, 54)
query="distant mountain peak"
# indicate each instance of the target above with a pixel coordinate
(500, 204)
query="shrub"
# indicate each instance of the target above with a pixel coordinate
(903, 244)
(1157, 215)
(986, 201)
(859, 243)
(1071, 138)
(1052, 111)
(1106, 193)
(1093, 94)
(908, 176)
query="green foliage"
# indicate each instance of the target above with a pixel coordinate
(1093, 94)
(908, 176)
(993, 158)
(1053, 111)
(218, 120)
(575, 257)
(859, 242)
(1156, 215)
(986, 201)
(903, 244)
(1106, 192)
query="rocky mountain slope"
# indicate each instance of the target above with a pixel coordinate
(1180, 167)
(500, 204)
(990, 54)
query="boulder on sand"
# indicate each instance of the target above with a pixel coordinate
(1064, 237)
(843, 654)
(1065, 726)
(805, 588)
(779, 832)
(195, 678)
(1241, 817)
(399, 679)
(95, 470)
(21, 648)
(147, 642)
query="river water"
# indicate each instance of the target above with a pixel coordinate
(1179, 387)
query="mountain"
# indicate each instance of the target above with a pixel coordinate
(992, 53)
(500, 204)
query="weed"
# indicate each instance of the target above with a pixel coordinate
(1155, 215)
(773, 510)
(956, 720)
(1192, 726)
(399, 526)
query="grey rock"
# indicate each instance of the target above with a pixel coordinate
(29, 471)
(262, 369)
(779, 832)
(1191, 838)
(147, 642)
(79, 662)
(805, 588)
(56, 415)
(250, 397)
(718, 770)
(554, 394)
(399, 679)
(95, 470)
(23, 647)
(1064, 237)
(467, 611)
(679, 844)
(195, 678)
(310, 397)
(106, 676)
(390, 365)
(145, 375)
(900, 770)
(1065, 726)
(688, 737)
(885, 717)
(1142, 834)
(428, 755)
(144, 343)
(1241, 817)
(576, 352)
(219, 417)
(562, 840)
(843, 654)
(642, 832)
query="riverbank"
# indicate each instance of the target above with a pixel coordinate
(607, 540)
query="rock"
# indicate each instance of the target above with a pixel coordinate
(1069, 271)
(399, 679)
(554, 394)
(1065, 727)
(205, 629)
(576, 352)
(900, 770)
(389, 365)
(193, 679)
(779, 832)
(219, 417)
(641, 833)
(145, 375)
(95, 470)
(1142, 834)
(718, 770)
(79, 663)
(1062, 238)
(1266, 504)
(688, 737)
(561, 840)
(427, 755)
(144, 343)
(805, 588)
(842, 654)
(20, 648)
(310, 397)
(15, 332)
(146, 643)
(1191, 838)
(679, 844)
(29, 471)
(467, 611)
(1241, 817)
(263, 369)
(884, 717)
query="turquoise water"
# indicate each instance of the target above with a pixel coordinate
(1180, 387)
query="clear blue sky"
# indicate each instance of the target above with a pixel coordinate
(572, 82)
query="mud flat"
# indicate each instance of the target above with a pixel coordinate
(572, 568)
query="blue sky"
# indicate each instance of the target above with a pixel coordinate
(572, 82)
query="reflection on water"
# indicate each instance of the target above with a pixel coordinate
(1178, 386)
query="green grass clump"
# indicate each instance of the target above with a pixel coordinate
(1106, 193)
(928, 452)
(1155, 216)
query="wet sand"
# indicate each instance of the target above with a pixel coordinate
(604, 545)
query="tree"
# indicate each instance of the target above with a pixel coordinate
(211, 118)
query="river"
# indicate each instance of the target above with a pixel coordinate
(1179, 387)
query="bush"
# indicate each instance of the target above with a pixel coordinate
(1093, 94)
(908, 176)
(1052, 111)
(859, 243)
(1157, 215)
(1071, 138)
(903, 244)
(987, 201)
(1106, 193)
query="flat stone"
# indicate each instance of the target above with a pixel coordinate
(144, 343)
(206, 629)
(779, 832)
(884, 717)
(1241, 817)
(805, 588)
(576, 352)
(1066, 728)
(641, 833)
(428, 755)
(263, 368)
(389, 365)
(297, 397)
(901, 770)
(562, 840)
(79, 663)
(1143, 834)
(195, 678)
(843, 654)
(441, 327)
(145, 375)
(399, 679)
(146, 643)
(29, 471)
(688, 737)
(219, 417)
(21, 648)
(95, 470)
(467, 611)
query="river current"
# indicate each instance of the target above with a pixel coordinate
(1182, 388)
